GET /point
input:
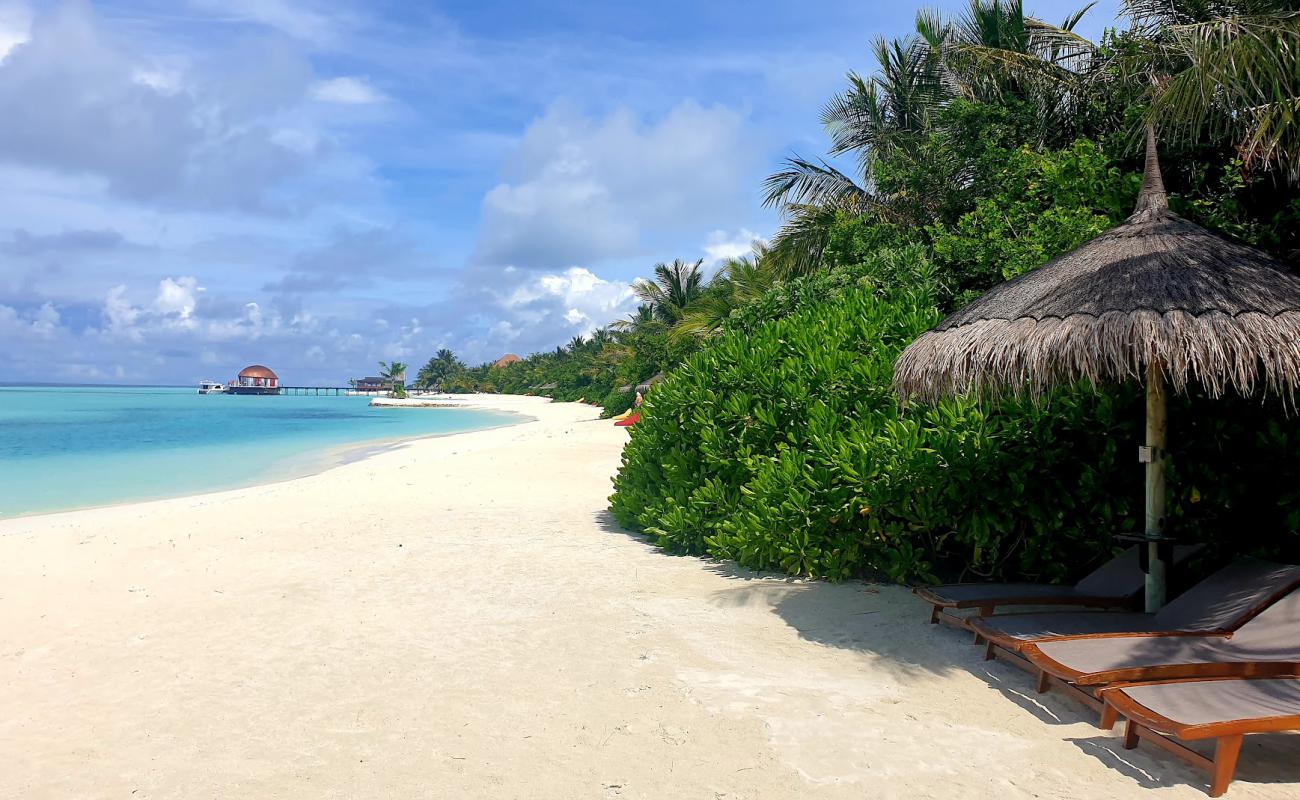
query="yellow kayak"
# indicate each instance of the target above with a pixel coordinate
(623, 416)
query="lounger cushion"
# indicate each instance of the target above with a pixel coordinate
(1229, 597)
(976, 592)
(1271, 635)
(1104, 655)
(1204, 702)
(1028, 627)
(1118, 579)
(1221, 602)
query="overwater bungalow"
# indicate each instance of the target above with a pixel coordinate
(255, 379)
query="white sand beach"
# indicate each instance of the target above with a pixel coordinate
(459, 618)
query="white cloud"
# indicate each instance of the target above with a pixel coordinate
(76, 102)
(287, 16)
(722, 246)
(15, 26)
(561, 304)
(348, 91)
(581, 190)
(176, 296)
(167, 82)
(44, 322)
(121, 315)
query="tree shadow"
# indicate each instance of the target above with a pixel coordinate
(1265, 758)
(887, 624)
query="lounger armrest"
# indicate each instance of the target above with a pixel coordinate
(1182, 673)
(1026, 600)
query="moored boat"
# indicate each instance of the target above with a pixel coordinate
(211, 387)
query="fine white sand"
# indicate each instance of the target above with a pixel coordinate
(459, 618)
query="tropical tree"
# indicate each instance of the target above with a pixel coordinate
(441, 366)
(1237, 74)
(638, 320)
(990, 53)
(993, 52)
(738, 283)
(674, 287)
(394, 373)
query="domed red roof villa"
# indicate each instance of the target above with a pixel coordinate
(255, 379)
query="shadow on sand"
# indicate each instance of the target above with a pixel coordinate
(885, 623)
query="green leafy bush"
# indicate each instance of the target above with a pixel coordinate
(617, 402)
(782, 447)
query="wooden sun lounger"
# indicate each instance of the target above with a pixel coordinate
(1218, 604)
(1169, 714)
(1261, 646)
(1115, 584)
(1272, 635)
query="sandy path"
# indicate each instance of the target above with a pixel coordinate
(458, 618)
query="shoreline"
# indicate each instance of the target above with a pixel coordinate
(308, 463)
(460, 617)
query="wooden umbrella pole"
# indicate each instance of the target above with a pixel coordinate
(1154, 456)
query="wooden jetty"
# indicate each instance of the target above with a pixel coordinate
(331, 390)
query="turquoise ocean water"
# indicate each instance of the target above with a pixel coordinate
(75, 447)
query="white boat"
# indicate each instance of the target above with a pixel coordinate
(211, 387)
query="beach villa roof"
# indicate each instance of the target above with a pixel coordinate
(547, 386)
(506, 360)
(257, 371)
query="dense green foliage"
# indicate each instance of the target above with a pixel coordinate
(982, 146)
(782, 446)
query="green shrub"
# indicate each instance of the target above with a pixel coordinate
(617, 402)
(783, 448)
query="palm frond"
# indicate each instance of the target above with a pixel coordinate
(805, 182)
(798, 247)
(1242, 81)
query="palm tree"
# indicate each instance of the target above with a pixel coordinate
(989, 51)
(443, 365)
(674, 286)
(738, 283)
(1236, 74)
(394, 372)
(993, 51)
(637, 321)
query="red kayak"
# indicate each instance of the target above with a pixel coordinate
(630, 421)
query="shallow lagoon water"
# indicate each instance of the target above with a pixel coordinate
(76, 447)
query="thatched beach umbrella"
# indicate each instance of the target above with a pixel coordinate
(1157, 298)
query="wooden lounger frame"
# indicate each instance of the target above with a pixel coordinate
(941, 608)
(1165, 733)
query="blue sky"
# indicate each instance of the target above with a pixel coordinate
(194, 185)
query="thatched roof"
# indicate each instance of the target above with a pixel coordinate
(626, 388)
(1156, 289)
(651, 381)
(546, 386)
(506, 360)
